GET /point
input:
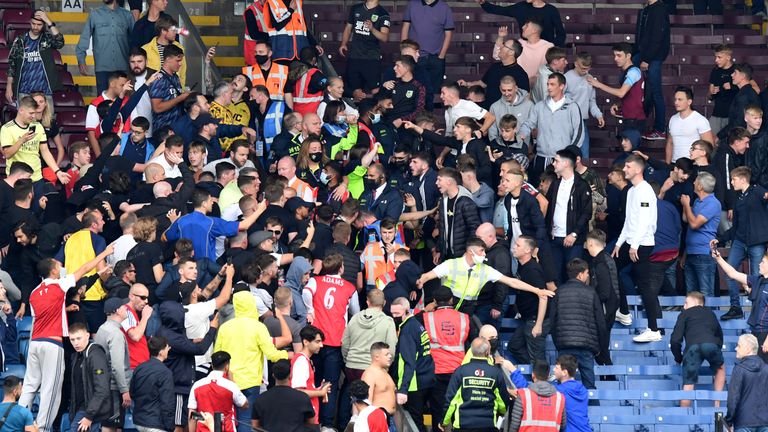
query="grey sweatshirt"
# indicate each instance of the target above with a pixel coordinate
(557, 130)
(365, 328)
(110, 336)
(520, 108)
(582, 92)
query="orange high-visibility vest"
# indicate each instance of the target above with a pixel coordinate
(249, 43)
(274, 82)
(448, 330)
(305, 102)
(289, 40)
(538, 412)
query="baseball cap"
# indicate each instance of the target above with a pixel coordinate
(295, 202)
(255, 239)
(204, 119)
(111, 305)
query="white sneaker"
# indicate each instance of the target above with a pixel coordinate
(648, 335)
(327, 429)
(623, 319)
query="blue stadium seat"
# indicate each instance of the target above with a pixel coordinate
(666, 411)
(623, 423)
(652, 384)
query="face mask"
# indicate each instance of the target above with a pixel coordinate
(341, 119)
(399, 164)
(477, 259)
(261, 59)
(316, 157)
(376, 118)
(398, 321)
(324, 178)
(494, 345)
(370, 183)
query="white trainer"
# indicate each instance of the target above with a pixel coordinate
(623, 319)
(648, 335)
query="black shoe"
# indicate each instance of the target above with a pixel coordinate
(733, 313)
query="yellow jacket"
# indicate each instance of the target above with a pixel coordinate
(247, 340)
(153, 59)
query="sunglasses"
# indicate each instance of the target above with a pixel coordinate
(276, 232)
(141, 297)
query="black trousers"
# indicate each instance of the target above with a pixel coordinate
(649, 292)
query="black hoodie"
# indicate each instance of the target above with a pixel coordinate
(405, 283)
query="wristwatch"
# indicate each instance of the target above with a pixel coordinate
(574, 235)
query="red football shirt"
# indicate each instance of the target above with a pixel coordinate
(330, 300)
(48, 307)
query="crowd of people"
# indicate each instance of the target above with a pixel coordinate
(298, 250)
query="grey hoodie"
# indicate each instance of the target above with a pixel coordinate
(365, 328)
(520, 108)
(541, 388)
(293, 280)
(539, 89)
(581, 91)
(557, 130)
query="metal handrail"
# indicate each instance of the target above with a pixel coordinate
(194, 48)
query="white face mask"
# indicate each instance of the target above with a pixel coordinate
(477, 259)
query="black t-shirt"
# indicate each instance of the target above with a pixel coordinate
(364, 44)
(283, 408)
(53, 131)
(497, 71)
(528, 303)
(723, 98)
(77, 382)
(351, 261)
(144, 257)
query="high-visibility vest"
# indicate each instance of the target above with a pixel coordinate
(538, 415)
(374, 262)
(464, 285)
(305, 102)
(275, 81)
(303, 190)
(448, 330)
(289, 40)
(273, 122)
(249, 43)
(383, 280)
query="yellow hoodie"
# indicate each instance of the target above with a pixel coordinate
(247, 340)
(153, 59)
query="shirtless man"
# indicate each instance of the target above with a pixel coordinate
(382, 388)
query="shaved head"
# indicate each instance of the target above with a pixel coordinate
(488, 332)
(486, 229)
(162, 189)
(286, 167)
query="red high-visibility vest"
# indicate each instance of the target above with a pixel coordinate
(448, 330)
(305, 102)
(540, 413)
(249, 43)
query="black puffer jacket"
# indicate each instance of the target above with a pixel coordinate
(465, 221)
(405, 283)
(577, 317)
(579, 207)
(95, 380)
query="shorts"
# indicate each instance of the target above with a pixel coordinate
(695, 355)
(361, 74)
(117, 419)
(182, 413)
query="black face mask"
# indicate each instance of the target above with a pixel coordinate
(370, 183)
(261, 59)
(398, 321)
(494, 345)
(399, 164)
(316, 157)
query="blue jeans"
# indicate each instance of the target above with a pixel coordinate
(700, 274)
(328, 366)
(95, 427)
(653, 80)
(244, 414)
(562, 255)
(740, 251)
(585, 143)
(586, 362)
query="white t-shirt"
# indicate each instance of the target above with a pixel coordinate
(123, 245)
(144, 107)
(170, 171)
(560, 217)
(197, 324)
(516, 231)
(684, 131)
(300, 372)
(464, 108)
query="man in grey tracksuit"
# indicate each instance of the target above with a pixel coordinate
(558, 121)
(110, 336)
(514, 101)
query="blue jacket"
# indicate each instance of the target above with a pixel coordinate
(754, 209)
(668, 227)
(387, 205)
(415, 369)
(152, 392)
(181, 358)
(747, 397)
(576, 401)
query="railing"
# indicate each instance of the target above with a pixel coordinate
(194, 49)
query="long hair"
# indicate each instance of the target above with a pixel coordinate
(302, 160)
(47, 114)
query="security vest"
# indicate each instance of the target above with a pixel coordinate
(383, 280)
(289, 40)
(273, 122)
(249, 43)
(448, 330)
(78, 250)
(305, 102)
(465, 285)
(274, 82)
(374, 262)
(538, 412)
